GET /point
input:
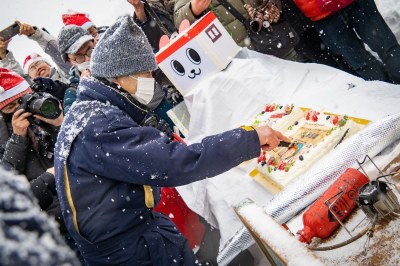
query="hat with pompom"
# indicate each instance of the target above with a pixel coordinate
(32, 58)
(122, 50)
(12, 87)
(78, 19)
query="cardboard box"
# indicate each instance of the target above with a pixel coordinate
(203, 49)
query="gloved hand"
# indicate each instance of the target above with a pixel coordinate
(74, 76)
(54, 87)
(173, 95)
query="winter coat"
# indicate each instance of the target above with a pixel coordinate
(109, 172)
(49, 45)
(27, 235)
(152, 29)
(16, 153)
(234, 27)
(311, 10)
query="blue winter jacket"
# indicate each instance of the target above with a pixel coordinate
(109, 171)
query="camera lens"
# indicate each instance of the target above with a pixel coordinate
(46, 107)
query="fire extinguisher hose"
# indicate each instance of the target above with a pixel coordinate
(348, 241)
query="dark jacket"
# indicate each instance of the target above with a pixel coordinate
(109, 171)
(17, 153)
(28, 236)
(158, 23)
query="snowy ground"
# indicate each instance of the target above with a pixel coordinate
(35, 12)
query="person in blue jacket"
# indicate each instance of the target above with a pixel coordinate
(113, 156)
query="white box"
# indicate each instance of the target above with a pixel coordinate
(203, 49)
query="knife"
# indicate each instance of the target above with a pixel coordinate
(285, 144)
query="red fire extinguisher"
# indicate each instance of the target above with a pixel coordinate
(341, 196)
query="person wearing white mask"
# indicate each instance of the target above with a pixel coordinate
(112, 157)
(76, 45)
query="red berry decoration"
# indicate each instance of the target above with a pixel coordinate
(261, 158)
(282, 166)
(335, 120)
(314, 117)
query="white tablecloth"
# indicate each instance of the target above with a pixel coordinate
(232, 97)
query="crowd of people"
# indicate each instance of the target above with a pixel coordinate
(91, 134)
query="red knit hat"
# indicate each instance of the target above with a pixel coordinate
(78, 19)
(32, 58)
(12, 87)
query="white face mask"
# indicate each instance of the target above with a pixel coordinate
(145, 89)
(83, 66)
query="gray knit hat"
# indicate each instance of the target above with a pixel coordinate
(122, 50)
(71, 39)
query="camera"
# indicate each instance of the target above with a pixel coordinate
(42, 103)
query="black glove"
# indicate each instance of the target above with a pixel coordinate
(173, 95)
(44, 187)
(54, 87)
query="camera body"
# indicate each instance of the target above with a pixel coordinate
(41, 103)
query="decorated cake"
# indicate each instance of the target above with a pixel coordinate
(312, 133)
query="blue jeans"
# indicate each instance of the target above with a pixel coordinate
(338, 33)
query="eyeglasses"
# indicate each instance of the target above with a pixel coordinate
(34, 66)
(80, 58)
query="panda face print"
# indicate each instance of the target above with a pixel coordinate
(193, 71)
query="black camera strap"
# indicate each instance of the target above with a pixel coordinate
(43, 140)
(156, 18)
(231, 9)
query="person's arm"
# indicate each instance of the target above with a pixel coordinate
(149, 24)
(190, 10)
(48, 43)
(16, 148)
(139, 12)
(142, 155)
(44, 188)
(7, 59)
(14, 156)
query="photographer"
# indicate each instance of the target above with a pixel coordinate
(66, 94)
(34, 65)
(27, 139)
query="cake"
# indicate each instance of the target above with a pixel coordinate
(313, 134)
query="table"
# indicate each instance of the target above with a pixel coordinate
(232, 97)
